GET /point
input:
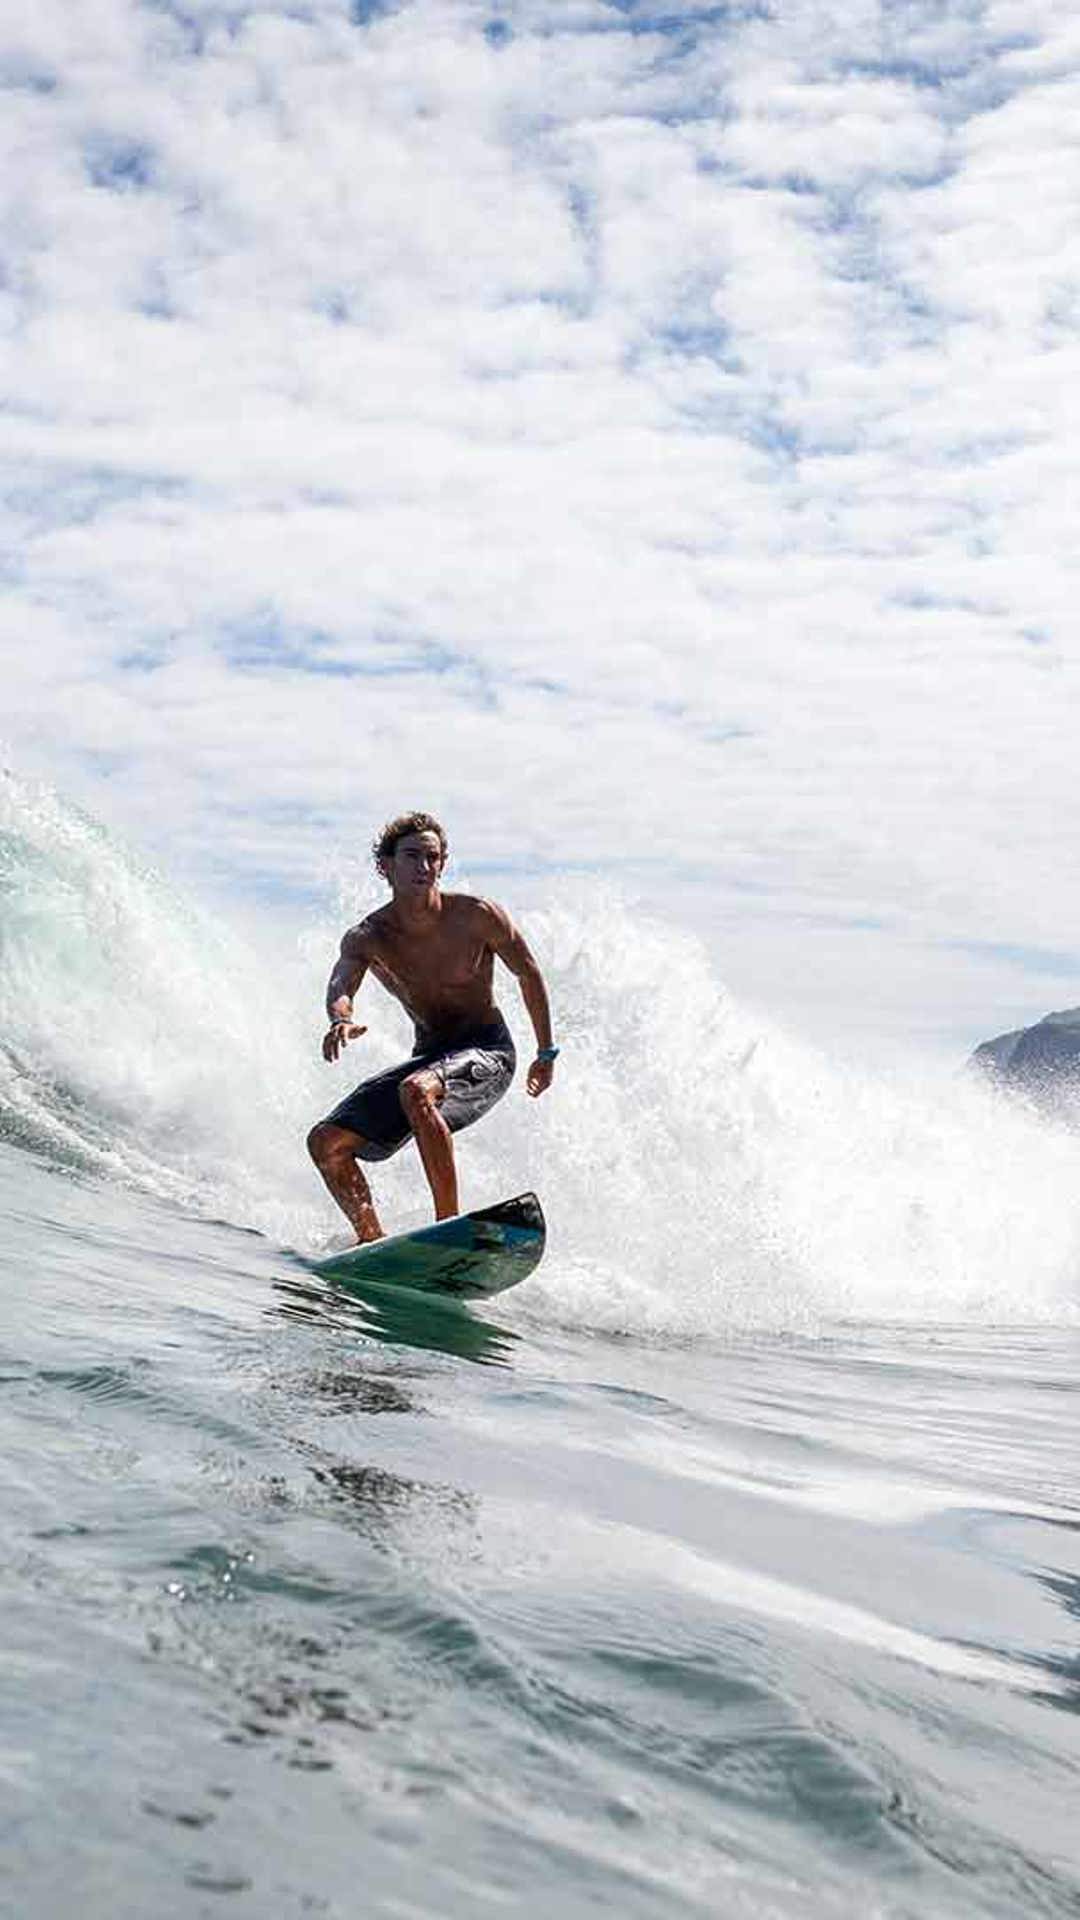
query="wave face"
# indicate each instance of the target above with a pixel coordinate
(700, 1168)
(139, 1039)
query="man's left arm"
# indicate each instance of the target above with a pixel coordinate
(505, 940)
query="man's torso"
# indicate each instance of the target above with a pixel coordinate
(441, 973)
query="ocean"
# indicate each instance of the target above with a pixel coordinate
(729, 1566)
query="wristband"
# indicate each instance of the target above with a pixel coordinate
(547, 1053)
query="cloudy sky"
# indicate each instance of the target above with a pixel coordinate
(646, 435)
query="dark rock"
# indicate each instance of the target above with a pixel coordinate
(1041, 1061)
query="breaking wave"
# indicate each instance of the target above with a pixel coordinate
(701, 1169)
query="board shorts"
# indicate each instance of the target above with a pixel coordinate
(476, 1069)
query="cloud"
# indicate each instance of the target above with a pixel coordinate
(646, 435)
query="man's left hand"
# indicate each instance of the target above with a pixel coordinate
(540, 1076)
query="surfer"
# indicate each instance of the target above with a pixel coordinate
(435, 953)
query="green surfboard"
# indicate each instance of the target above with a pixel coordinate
(469, 1257)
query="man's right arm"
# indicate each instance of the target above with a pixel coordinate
(349, 969)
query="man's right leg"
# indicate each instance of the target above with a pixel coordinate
(334, 1151)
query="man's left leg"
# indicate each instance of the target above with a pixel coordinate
(421, 1096)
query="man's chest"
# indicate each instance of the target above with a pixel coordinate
(455, 957)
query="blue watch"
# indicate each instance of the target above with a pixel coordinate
(547, 1053)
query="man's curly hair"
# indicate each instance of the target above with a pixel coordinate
(383, 849)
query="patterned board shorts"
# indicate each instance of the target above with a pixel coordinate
(475, 1070)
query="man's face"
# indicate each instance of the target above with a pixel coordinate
(416, 863)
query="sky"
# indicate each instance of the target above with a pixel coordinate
(645, 436)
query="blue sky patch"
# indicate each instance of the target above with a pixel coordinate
(121, 166)
(146, 659)
(265, 645)
(21, 76)
(1036, 960)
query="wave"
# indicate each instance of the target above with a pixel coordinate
(139, 1038)
(702, 1169)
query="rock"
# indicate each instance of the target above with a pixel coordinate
(1041, 1061)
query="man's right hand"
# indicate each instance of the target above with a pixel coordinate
(337, 1037)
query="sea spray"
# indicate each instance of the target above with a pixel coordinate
(701, 1169)
(704, 1169)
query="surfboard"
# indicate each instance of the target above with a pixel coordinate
(471, 1256)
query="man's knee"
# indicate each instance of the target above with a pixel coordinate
(327, 1143)
(420, 1094)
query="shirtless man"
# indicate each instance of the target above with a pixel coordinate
(435, 953)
